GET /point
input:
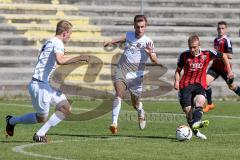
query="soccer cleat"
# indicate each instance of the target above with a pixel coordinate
(200, 124)
(42, 139)
(113, 128)
(9, 127)
(208, 107)
(198, 134)
(141, 119)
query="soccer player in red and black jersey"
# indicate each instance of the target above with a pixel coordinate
(193, 83)
(223, 44)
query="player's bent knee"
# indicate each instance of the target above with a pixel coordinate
(41, 118)
(187, 109)
(64, 107)
(232, 87)
(199, 100)
(138, 105)
(66, 110)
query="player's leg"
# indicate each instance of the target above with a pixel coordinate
(63, 109)
(138, 106)
(211, 76)
(231, 85)
(135, 89)
(198, 100)
(234, 88)
(120, 89)
(185, 98)
(39, 116)
(189, 116)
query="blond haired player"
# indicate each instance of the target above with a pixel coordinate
(42, 94)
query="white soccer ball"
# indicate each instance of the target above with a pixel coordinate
(183, 133)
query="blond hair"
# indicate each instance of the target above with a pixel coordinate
(193, 38)
(62, 26)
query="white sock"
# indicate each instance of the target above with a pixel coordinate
(53, 121)
(140, 107)
(116, 109)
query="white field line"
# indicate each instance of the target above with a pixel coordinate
(148, 113)
(20, 148)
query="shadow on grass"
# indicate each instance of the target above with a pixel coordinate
(112, 136)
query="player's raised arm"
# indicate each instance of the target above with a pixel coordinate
(149, 49)
(114, 41)
(68, 59)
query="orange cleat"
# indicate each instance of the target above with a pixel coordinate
(113, 128)
(208, 107)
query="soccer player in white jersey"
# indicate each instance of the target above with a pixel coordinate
(130, 68)
(42, 94)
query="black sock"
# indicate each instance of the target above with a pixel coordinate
(237, 90)
(209, 95)
(195, 131)
(197, 114)
(190, 123)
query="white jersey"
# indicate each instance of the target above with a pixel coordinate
(130, 68)
(133, 60)
(47, 59)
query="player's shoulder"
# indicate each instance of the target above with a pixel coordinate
(130, 34)
(56, 41)
(224, 38)
(209, 51)
(186, 51)
(147, 38)
(227, 38)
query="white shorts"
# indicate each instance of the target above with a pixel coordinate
(133, 84)
(43, 95)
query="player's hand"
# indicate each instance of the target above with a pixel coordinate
(176, 85)
(107, 43)
(149, 48)
(231, 75)
(84, 58)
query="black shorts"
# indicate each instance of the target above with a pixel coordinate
(215, 74)
(187, 94)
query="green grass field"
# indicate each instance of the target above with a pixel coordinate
(91, 139)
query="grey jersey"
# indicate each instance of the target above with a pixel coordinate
(132, 62)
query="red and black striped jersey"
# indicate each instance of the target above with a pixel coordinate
(223, 45)
(195, 67)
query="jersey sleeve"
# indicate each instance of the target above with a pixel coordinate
(59, 48)
(215, 54)
(228, 46)
(180, 61)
